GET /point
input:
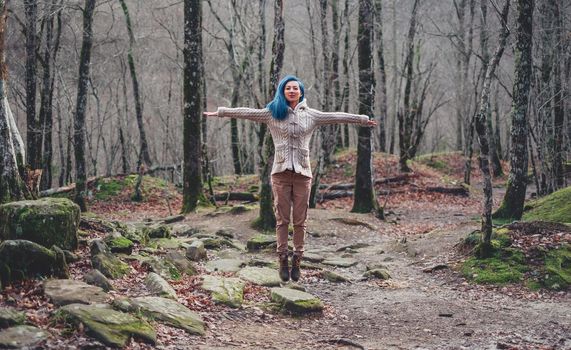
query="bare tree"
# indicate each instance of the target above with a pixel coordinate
(192, 182)
(11, 145)
(34, 136)
(365, 200)
(382, 75)
(512, 204)
(79, 120)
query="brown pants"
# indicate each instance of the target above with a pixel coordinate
(291, 190)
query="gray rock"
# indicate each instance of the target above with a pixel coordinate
(260, 275)
(335, 277)
(295, 301)
(111, 327)
(376, 266)
(224, 265)
(382, 274)
(353, 247)
(196, 251)
(272, 264)
(20, 259)
(46, 221)
(181, 262)
(313, 257)
(109, 265)
(21, 337)
(164, 268)
(340, 262)
(97, 246)
(119, 244)
(63, 292)
(70, 257)
(96, 278)
(169, 243)
(167, 311)
(159, 286)
(225, 233)
(216, 242)
(11, 317)
(261, 241)
(227, 291)
(158, 231)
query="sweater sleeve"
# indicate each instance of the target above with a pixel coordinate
(323, 118)
(256, 115)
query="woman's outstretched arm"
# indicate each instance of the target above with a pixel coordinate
(256, 115)
(323, 118)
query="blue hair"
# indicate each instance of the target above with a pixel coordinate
(278, 106)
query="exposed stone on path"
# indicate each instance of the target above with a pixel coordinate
(159, 286)
(164, 268)
(96, 278)
(313, 257)
(340, 262)
(261, 241)
(263, 276)
(224, 265)
(377, 273)
(165, 310)
(11, 317)
(46, 221)
(158, 231)
(295, 301)
(227, 291)
(225, 233)
(109, 265)
(111, 327)
(353, 247)
(67, 291)
(169, 243)
(196, 251)
(181, 262)
(21, 337)
(334, 277)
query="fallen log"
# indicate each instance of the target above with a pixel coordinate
(387, 180)
(458, 191)
(236, 196)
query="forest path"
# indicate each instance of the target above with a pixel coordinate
(412, 310)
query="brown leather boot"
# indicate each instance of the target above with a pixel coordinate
(284, 267)
(295, 267)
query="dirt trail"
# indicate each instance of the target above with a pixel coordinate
(414, 310)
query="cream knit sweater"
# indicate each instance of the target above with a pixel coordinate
(292, 135)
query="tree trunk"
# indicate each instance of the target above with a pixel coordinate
(558, 108)
(382, 74)
(392, 130)
(512, 204)
(34, 136)
(144, 145)
(482, 127)
(365, 200)
(346, 89)
(267, 219)
(11, 185)
(192, 178)
(79, 121)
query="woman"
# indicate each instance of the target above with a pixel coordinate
(291, 124)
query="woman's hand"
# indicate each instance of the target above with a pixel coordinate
(210, 114)
(371, 123)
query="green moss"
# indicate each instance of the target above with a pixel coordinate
(555, 207)
(108, 187)
(558, 268)
(505, 266)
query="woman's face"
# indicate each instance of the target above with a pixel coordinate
(292, 92)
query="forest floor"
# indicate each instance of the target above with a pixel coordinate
(427, 303)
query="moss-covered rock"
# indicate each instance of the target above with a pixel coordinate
(111, 327)
(377, 273)
(119, 244)
(20, 259)
(334, 277)
(261, 241)
(227, 291)
(158, 231)
(109, 265)
(46, 221)
(164, 268)
(262, 276)
(165, 310)
(340, 262)
(295, 301)
(96, 278)
(180, 262)
(159, 286)
(504, 266)
(11, 317)
(555, 207)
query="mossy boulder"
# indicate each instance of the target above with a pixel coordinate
(119, 244)
(109, 265)
(46, 221)
(162, 267)
(21, 259)
(165, 310)
(181, 262)
(159, 286)
(227, 291)
(555, 207)
(261, 241)
(111, 327)
(296, 301)
(377, 273)
(11, 317)
(157, 231)
(96, 278)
